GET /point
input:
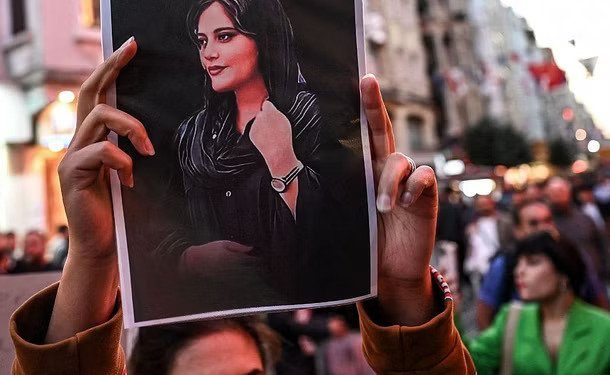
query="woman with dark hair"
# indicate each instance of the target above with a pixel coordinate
(554, 332)
(244, 345)
(247, 157)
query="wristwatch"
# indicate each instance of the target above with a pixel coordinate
(280, 184)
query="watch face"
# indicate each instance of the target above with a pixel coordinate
(278, 185)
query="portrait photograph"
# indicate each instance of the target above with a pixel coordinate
(260, 196)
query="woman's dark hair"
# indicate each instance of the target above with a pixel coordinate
(156, 347)
(266, 22)
(563, 254)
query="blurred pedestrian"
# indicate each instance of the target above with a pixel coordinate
(486, 235)
(60, 247)
(497, 287)
(576, 226)
(554, 332)
(586, 201)
(34, 250)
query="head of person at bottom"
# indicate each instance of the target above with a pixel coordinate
(245, 45)
(548, 267)
(238, 346)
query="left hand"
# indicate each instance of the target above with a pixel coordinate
(407, 203)
(271, 134)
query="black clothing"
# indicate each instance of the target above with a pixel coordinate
(228, 196)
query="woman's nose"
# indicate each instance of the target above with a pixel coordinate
(210, 53)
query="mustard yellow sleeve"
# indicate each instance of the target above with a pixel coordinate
(92, 352)
(432, 348)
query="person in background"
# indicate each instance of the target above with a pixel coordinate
(6, 259)
(554, 332)
(586, 201)
(451, 226)
(577, 226)
(497, 287)
(60, 248)
(74, 326)
(33, 254)
(486, 235)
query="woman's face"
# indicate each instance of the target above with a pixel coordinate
(229, 57)
(536, 278)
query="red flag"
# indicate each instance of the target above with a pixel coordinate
(548, 75)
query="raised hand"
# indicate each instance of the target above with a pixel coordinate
(89, 283)
(407, 202)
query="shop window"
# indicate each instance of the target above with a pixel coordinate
(18, 24)
(90, 13)
(416, 132)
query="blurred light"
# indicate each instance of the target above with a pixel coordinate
(470, 188)
(66, 97)
(454, 167)
(517, 176)
(500, 170)
(593, 146)
(55, 145)
(580, 166)
(580, 134)
(540, 172)
(567, 114)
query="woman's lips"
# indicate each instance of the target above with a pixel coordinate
(215, 70)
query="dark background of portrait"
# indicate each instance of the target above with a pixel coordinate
(163, 85)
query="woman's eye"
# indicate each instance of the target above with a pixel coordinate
(202, 43)
(225, 37)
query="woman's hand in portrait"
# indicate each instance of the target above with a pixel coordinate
(407, 203)
(89, 282)
(198, 260)
(271, 133)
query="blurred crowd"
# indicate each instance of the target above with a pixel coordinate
(477, 239)
(34, 252)
(477, 250)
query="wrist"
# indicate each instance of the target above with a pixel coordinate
(406, 302)
(282, 163)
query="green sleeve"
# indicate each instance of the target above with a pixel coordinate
(486, 349)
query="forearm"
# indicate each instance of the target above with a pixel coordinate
(86, 296)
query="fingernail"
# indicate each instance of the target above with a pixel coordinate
(149, 147)
(406, 199)
(131, 39)
(384, 203)
(130, 183)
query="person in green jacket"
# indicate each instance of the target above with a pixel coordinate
(554, 331)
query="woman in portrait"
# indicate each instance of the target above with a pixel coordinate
(247, 156)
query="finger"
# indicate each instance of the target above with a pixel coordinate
(396, 168)
(105, 154)
(421, 182)
(382, 137)
(103, 119)
(102, 78)
(236, 247)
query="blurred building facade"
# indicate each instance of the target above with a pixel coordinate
(396, 55)
(443, 65)
(48, 50)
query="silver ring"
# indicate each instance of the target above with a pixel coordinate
(412, 164)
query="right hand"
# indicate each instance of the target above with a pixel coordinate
(84, 170)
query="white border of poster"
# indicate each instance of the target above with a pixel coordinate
(121, 236)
